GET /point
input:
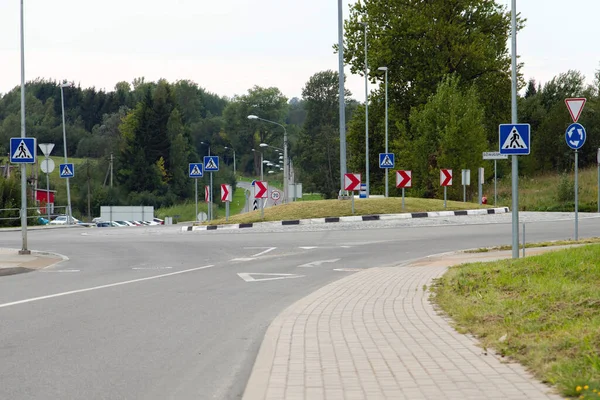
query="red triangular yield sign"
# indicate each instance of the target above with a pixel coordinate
(575, 106)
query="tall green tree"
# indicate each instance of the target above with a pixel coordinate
(449, 133)
(421, 42)
(319, 144)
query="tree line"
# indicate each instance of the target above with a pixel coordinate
(449, 89)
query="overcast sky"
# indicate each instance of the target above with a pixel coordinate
(227, 46)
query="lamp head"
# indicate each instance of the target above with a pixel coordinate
(252, 117)
(263, 145)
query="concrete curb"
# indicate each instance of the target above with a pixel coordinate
(354, 218)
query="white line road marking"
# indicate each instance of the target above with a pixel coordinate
(151, 268)
(264, 252)
(346, 247)
(347, 269)
(308, 247)
(59, 270)
(317, 263)
(14, 303)
(243, 259)
(247, 276)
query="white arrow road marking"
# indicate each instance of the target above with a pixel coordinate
(264, 252)
(247, 276)
(149, 278)
(317, 263)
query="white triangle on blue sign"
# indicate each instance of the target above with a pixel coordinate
(22, 152)
(387, 162)
(66, 171)
(195, 171)
(514, 140)
(211, 164)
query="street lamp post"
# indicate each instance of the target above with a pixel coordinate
(364, 24)
(62, 98)
(386, 124)
(285, 156)
(24, 249)
(386, 128)
(232, 149)
(261, 164)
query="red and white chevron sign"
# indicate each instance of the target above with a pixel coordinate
(261, 190)
(352, 182)
(226, 192)
(445, 177)
(403, 179)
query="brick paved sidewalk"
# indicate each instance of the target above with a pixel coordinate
(375, 335)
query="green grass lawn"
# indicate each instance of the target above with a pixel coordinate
(187, 210)
(543, 193)
(542, 311)
(337, 208)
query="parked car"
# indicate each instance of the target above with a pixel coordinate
(119, 223)
(62, 220)
(42, 221)
(126, 223)
(103, 224)
(159, 221)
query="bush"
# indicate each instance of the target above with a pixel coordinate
(565, 189)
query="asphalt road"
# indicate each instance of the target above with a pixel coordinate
(156, 313)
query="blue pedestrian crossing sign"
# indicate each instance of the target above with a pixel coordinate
(196, 170)
(575, 136)
(22, 150)
(386, 160)
(211, 163)
(515, 139)
(66, 170)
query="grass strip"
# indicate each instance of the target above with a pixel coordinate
(542, 311)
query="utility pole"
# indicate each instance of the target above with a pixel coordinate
(111, 170)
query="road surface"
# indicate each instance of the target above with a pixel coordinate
(157, 313)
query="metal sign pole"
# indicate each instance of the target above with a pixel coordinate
(480, 184)
(403, 198)
(23, 167)
(196, 185)
(352, 202)
(47, 195)
(210, 198)
(227, 211)
(445, 196)
(598, 160)
(576, 196)
(495, 183)
(464, 192)
(515, 159)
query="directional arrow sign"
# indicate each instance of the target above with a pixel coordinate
(445, 177)
(226, 192)
(575, 136)
(403, 179)
(575, 106)
(249, 276)
(318, 263)
(261, 190)
(352, 181)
